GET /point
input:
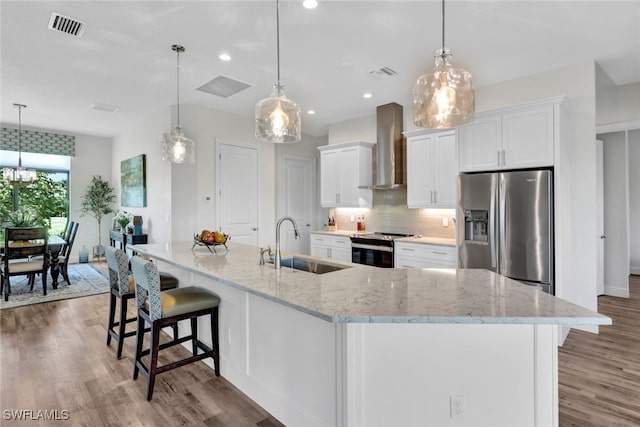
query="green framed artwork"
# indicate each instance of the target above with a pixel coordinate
(133, 182)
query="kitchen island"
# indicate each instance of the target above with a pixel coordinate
(364, 346)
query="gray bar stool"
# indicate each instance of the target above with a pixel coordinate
(160, 309)
(123, 288)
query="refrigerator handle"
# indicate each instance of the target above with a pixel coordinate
(492, 228)
(502, 197)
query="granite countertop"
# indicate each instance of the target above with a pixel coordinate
(363, 294)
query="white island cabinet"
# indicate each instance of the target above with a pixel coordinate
(366, 346)
(343, 169)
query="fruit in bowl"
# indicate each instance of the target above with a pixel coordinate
(211, 237)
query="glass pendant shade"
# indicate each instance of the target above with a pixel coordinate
(443, 98)
(178, 148)
(278, 118)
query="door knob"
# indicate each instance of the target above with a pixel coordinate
(603, 236)
(254, 229)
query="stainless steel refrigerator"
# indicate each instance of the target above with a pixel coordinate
(505, 224)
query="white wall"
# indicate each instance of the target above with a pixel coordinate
(634, 200)
(144, 138)
(618, 104)
(358, 129)
(176, 193)
(191, 183)
(93, 157)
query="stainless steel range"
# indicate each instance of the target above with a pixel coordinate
(375, 249)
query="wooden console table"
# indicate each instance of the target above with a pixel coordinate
(126, 239)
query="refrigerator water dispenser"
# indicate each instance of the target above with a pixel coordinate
(476, 225)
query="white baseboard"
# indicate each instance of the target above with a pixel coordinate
(634, 270)
(614, 291)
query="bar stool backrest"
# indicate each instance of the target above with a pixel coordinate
(147, 278)
(118, 264)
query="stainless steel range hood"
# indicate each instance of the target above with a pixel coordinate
(389, 159)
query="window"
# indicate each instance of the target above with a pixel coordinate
(47, 197)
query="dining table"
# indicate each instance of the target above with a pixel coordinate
(55, 244)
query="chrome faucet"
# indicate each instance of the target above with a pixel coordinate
(276, 263)
(266, 250)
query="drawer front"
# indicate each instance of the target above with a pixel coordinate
(341, 242)
(427, 252)
(321, 239)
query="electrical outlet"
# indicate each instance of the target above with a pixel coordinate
(457, 406)
(445, 222)
(352, 218)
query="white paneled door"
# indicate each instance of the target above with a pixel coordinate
(299, 184)
(238, 192)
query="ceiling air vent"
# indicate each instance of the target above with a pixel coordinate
(66, 25)
(382, 72)
(223, 86)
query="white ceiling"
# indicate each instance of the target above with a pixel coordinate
(124, 58)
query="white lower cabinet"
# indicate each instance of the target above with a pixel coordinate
(422, 255)
(328, 246)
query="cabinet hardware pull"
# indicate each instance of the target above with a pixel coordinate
(499, 158)
(504, 157)
(407, 249)
(435, 196)
(439, 253)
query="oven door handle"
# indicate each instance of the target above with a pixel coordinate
(372, 247)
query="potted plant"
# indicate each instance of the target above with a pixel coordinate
(98, 201)
(123, 218)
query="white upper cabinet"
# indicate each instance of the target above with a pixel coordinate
(344, 168)
(513, 138)
(432, 170)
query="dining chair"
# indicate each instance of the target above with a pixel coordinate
(65, 253)
(20, 243)
(123, 288)
(163, 308)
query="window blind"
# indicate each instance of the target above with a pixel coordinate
(38, 142)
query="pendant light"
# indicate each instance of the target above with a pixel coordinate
(178, 148)
(19, 177)
(277, 117)
(443, 98)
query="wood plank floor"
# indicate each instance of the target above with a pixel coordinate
(599, 375)
(53, 357)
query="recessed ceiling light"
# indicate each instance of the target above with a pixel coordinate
(224, 57)
(104, 107)
(311, 112)
(367, 95)
(310, 4)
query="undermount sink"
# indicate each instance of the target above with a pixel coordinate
(310, 265)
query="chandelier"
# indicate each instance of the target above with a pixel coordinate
(277, 117)
(443, 98)
(19, 177)
(177, 148)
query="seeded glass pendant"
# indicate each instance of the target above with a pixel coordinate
(277, 117)
(177, 148)
(443, 98)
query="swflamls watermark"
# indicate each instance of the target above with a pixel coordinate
(32, 415)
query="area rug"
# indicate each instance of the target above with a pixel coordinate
(85, 280)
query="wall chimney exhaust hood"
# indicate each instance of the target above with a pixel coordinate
(388, 158)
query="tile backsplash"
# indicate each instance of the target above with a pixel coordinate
(390, 214)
